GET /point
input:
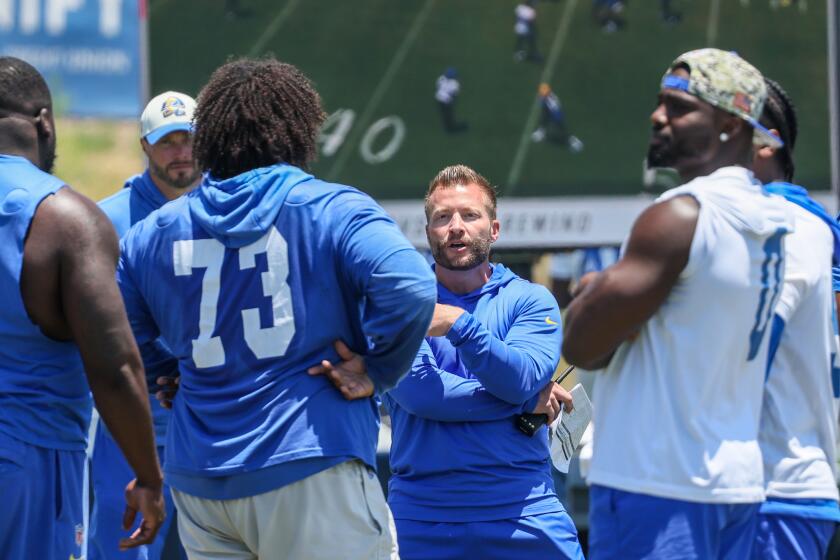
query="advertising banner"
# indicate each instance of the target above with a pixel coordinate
(89, 51)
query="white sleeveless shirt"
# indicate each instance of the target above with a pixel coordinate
(677, 409)
(799, 415)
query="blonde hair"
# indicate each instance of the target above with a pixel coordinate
(462, 175)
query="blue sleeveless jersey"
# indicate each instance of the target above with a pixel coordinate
(44, 395)
(249, 281)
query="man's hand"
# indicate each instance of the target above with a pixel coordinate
(443, 319)
(350, 376)
(168, 389)
(149, 502)
(551, 397)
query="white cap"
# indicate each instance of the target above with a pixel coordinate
(166, 113)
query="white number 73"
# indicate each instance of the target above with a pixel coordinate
(270, 342)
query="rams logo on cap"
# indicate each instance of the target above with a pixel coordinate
(742, 101)
(173, 106)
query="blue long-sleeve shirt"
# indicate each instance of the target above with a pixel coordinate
(138, 198)
(456, 453)
(250, 281)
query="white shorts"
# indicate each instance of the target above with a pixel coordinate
(336, 513)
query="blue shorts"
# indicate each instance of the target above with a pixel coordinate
(548, 535)
(783, 537)
(626, 525)
(110, 473)
(41, 501)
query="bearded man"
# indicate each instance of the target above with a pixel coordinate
(466, 482)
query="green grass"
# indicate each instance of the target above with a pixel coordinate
(95, 157)
(358, 56)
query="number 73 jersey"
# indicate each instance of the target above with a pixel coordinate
(251, 297)
(677, 410)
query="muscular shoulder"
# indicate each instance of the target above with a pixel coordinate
(665, 229)
(69, 236)
(72, 221)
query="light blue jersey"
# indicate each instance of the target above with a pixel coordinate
(799, 414)
(250, 280)
(139, 198)
(110, 472)
(45, 401)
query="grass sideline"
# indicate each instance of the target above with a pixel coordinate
(95, 157)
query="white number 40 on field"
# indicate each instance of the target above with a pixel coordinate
(337, 126)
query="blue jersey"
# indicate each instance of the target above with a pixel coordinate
(552, 109)
(139, 198)
(44, 396)
(456, 453)
(249, 281)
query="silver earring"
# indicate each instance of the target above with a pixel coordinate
(724, 137)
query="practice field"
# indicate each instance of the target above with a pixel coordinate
(375, 63)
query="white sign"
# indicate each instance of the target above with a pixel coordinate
(550, 223)
(541, 222)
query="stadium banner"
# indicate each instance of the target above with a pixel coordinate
(552, 223)
(89, 51)
(543, 223)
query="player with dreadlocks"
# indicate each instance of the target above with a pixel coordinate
(251, 279)
(799, 412)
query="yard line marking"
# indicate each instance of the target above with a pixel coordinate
(378, 93)
(273, 28)
(712, 26)
(547, 73)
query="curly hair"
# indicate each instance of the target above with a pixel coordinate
(255, 113)
(780, 113)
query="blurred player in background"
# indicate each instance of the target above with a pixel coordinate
(166, 139)
(609, 14)
(466, 482)
(447, 89)
(61, 317)
(251, 279)
(525, 30)
(553, 122)
(667, 12)
(681, 324)
(799, 414)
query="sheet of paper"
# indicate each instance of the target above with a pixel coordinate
(567, 429)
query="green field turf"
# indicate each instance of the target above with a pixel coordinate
(380, 58)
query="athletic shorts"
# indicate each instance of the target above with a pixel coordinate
(787, 537)
(40, 501)
(339, 512)
(625, 525)
(548, 535)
